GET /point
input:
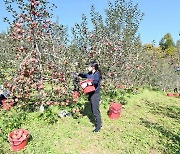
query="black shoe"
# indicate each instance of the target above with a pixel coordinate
(97, 129)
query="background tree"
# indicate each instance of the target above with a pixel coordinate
(43, 57)
(167, 44)
(112, 41)
(38, 44)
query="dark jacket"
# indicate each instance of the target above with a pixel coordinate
(96, 79)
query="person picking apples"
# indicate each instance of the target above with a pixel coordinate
(94, 97)
(5, 95)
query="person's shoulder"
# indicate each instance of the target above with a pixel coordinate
(97, 73)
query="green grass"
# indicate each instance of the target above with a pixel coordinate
(149, 123)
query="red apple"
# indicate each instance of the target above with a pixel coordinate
(63, 103)
(19, 36)
(41, 86)
(67, 103)
(45, 26)
(16, 100)
(37, 3)
(55, 103)
(18, 25)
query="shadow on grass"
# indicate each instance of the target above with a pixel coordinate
(88, 112)
(172, 146)
(30, 138)
(169, 111)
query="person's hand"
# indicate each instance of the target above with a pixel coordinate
(84, 85)
(89, 83)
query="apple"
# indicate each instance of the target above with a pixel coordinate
(45, 26)
(77, 110)
(28, 19)
(18, 25)
(91, 36)
(16, 100)
(48, 103)
(62, 103)
(23, 136)
(81, 115)
(74, 111)
(26, 73)
(37, 103)
(76, 94)
(55, 103)
(21, 48)
(48, 20)
(115, 49)
(38, 14)
(57, 88)
(18, 30)
(16, 132)
(32, 4)
(34, 85)
(14, 136)
(37, 3)
(19, 36)
(119, 43)
(33, 12)
(21, 21)
(67, 101)
(41, 86)
(20, 132)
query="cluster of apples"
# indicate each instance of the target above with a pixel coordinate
(75, 110)
(20, 50)
(34, 3)
(25, 81)
(57, 89)
(19, 135)
(47, 103)
(18, 31)
(8, 103)
(75, 96)
(31, 24)
(121, 86)
(63, 103)
(58, 75)
(51, 66)
(35, 22)
(40, 85)
(29, 67)
(106, 42)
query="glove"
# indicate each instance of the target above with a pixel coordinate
(89, 83)
(84, 85)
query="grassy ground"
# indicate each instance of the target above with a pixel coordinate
(149, 123)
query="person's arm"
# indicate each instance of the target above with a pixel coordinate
(83, 75)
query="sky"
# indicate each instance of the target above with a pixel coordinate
(161, 16)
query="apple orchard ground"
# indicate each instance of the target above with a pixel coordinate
(149, 123)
